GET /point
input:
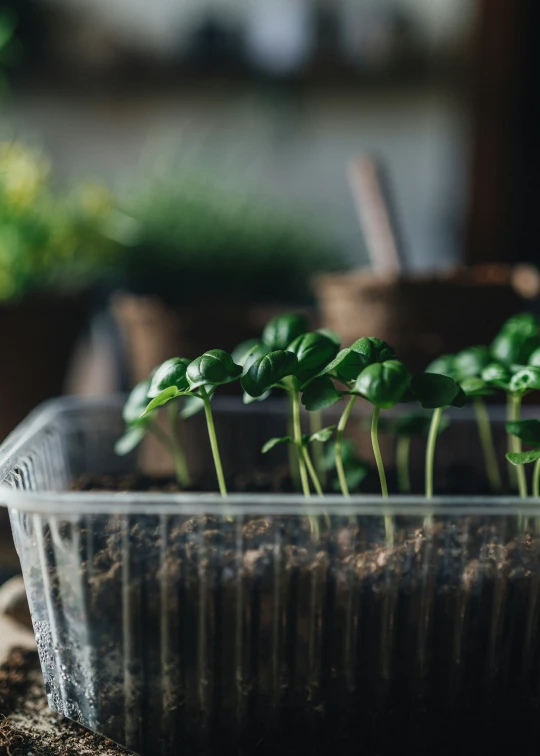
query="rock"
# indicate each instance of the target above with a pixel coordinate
(13, 602)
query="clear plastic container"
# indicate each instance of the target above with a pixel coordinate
(176, 623)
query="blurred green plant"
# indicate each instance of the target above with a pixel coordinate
(198, 238)
(51, 241)
(10, 49)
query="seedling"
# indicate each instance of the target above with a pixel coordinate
(435, 392)
(518, 338)
(528, 431)
(346, 368)
(355, 469)
(466, 367)
(201, 378)
(319, 437)
(405, 429)
(292, 370)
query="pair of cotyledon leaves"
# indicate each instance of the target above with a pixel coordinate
(176, 377)
(180, 376)
(529, 432)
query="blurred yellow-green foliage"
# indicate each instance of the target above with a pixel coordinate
(49, 240)
(181, 239)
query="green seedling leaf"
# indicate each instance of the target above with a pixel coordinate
(527, 430)
(241, 352)
(247, 399)
(460, 399)
(165, 396)
(470, 362)
(514, 346)
(245, 357)
(349, 362)
(213, 368)
(445, 365)
(267, 371)
(171, 373)
(534, 359)
(372, 350)
(523, 458)
(524, 323)
(271, 443)
(497, 375)
(136, 404)
(525, 380)
(433, 390)
(130, 440)
(323, 435)
(383, 384)
(418, 425)
(330, 334)
(476, 387)
(320, 393)
(283, 330)
(313, 351)
(192, 405)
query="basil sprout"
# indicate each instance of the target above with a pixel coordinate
(434, 391)
(138, 415)
(320, 393)
(284, 329)
(213, 368)
(383, 384)
(313, 351)
(268, 371)
(469, 363)
(527, 379)
(171, 373)
(445, 365)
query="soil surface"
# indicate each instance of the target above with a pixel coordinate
(28, 727)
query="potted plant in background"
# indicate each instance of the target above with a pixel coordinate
(210, 264)
(175, 620)
(53, 249)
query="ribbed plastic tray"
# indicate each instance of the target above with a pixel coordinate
(179, 623)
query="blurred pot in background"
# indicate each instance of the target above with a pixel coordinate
(210, 267)
(53, 249)
(424, 316)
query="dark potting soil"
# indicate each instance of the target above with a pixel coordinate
(27, 725)
(255, 637)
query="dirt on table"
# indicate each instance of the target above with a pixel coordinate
(28, 727)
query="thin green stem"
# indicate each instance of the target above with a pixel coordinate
(377, 451)
(318, 489)
(389, 530)
(488, 447)
(339, 440)
(315, 425)
(213, 441)
(402, 463)
(536, 480)
(297, 428)
(312, 473)
(512, 472)
(430, 450)
(516, 445)
(179, 458)
(291, 451)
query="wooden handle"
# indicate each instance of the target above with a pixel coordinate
(372, 201)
